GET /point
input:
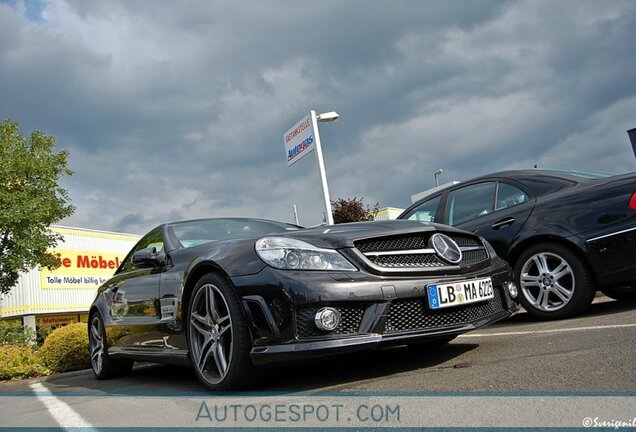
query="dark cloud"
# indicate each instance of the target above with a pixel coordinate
(177, 110)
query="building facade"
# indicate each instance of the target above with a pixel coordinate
(64, 295)
(387, 213)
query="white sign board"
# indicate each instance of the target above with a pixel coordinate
(299, 140)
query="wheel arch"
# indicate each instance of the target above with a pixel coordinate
(91, 312)
(193, 277)
(100, 306)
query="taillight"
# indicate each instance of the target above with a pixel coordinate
(632, 201)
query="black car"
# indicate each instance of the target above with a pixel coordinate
(566, 233)
(230, 295)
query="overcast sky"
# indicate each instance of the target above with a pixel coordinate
(177, 109)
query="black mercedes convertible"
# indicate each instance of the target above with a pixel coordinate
(229, 296)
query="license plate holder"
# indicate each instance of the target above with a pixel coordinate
(450, 294)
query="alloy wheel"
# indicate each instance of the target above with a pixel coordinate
(96, 345)
(547, 281)
(211, 333)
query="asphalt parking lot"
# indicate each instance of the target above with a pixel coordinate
(590, 354)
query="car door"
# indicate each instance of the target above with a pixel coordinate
(494, 209)
(134, 295)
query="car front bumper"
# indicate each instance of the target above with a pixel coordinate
(271, 354)
(375, 311)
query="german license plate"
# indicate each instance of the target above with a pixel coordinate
(459, 293)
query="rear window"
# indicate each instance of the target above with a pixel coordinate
(542, 185)
(580, 174)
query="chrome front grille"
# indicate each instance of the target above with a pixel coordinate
(412, 251)
(407, 261)
(394, 243)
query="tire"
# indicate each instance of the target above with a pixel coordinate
(102, 364)
(554, 282)
(425, 346)
(622, 293)
(219, 341)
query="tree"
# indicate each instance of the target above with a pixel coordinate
(31, 199)
(352, 210)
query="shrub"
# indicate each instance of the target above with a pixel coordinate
(66, 348)
(42, 333)
(352, 210)
(13, 332)
(19, 362)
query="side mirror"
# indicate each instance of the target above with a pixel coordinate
(148, 257)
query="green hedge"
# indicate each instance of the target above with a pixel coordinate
(13, 332)
(19, 362)
(66, 348)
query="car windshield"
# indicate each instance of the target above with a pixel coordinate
(197, 232)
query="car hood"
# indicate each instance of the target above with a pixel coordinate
(343, 235)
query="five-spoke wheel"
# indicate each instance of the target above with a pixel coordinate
(211, 333)
(96, 344)
(218, 338)
(102, 364)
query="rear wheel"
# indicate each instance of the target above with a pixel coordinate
(102, 364)
(218, 338)
(555, 283)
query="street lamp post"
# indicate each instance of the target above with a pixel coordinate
(324, 117)
(436, 174)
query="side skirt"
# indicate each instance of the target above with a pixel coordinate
(154, 355)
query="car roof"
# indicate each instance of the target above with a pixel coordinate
(578, 176)
(568, 174)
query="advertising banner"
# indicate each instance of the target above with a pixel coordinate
(81, 269)
(299, 140)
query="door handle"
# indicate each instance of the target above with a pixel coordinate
(503, 223)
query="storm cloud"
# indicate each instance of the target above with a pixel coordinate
(174, 110)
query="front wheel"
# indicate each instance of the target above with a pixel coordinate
(555, 283)
(218, 338)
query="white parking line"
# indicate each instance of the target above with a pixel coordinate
(561, 330)
(63, 414)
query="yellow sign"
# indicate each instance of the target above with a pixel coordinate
(81, 269)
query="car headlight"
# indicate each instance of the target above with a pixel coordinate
(291, 254)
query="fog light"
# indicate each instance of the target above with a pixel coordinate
(512, 289)
(327, 319)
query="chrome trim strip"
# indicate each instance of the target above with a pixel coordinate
(471, 248)
(610, 235)
(419, 251)
(402, 252)
(403, 270)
